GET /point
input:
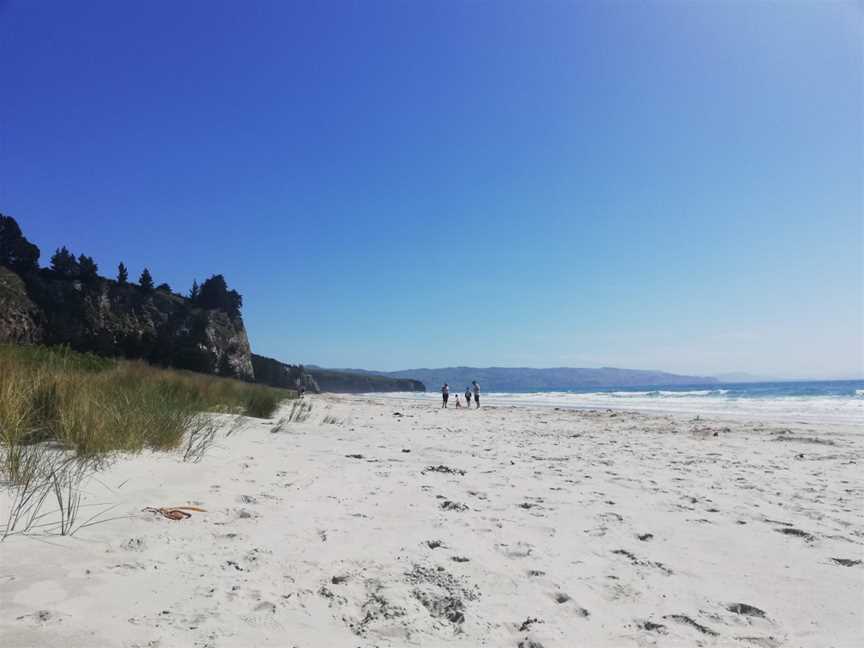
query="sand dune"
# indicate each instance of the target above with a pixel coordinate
(379, 522)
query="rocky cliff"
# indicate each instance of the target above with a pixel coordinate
(105, 317)
(315, 379)
(20, 319)
(279, 374)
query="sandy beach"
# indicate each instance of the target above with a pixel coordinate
(387, 522)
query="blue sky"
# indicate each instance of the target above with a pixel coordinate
(662, 185)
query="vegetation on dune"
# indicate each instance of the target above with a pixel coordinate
(91, 405)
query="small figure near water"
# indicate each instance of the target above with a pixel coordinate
(445, 395)
(458, 402)
(476, 393)
(468, 397)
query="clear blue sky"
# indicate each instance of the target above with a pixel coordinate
(667, 185)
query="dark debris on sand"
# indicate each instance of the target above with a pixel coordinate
(447, 505)
(443, 469)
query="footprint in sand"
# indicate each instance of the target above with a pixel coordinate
(40, 617)
(846, 562)
(745, 610)
(686, 620)
(518, 550)
(561, 598)
(650, 626)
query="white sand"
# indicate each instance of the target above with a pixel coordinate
(304, 546)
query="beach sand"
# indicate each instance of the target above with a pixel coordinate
(386, 522)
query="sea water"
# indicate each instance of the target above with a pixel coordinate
(834, 401)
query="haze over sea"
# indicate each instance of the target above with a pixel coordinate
(829, 401)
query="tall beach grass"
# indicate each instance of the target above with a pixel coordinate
(91, 406)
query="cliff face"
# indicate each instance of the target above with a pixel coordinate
(20, 321)
(107, 318)
(278, 374)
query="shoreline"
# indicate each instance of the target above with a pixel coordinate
(850, 422)
(380, 521)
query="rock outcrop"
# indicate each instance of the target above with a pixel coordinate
(279, 374)
(107, 318)
(20, 319)
(315, 379)
(348, 382)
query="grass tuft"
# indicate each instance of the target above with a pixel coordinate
(93, 406)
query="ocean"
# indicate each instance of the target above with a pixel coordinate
(826, 401)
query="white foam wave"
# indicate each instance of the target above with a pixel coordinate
(824, 409)
(662, 393)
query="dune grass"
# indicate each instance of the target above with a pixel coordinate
(92, 406)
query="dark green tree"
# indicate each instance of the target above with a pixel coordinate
(64, 263)
(214, 294)
(164, 287)
(87, 268)
(16, 252)
(146, 280)
(193, 293)
(122, 274)
(235, 303)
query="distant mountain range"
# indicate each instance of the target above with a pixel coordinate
(525, 379)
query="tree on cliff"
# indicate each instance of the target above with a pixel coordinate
(214, 293)
(193, 293)
(146, 281)
(64, 263)
(122, 274)
(87, 268)
(164, 287)
(16, 252)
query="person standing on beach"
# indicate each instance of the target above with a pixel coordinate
(445, 394)
(476, 393)
(468, 397)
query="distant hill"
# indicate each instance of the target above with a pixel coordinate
(360, 382)
(525, 379)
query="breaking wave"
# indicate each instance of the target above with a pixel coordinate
(812, 402)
